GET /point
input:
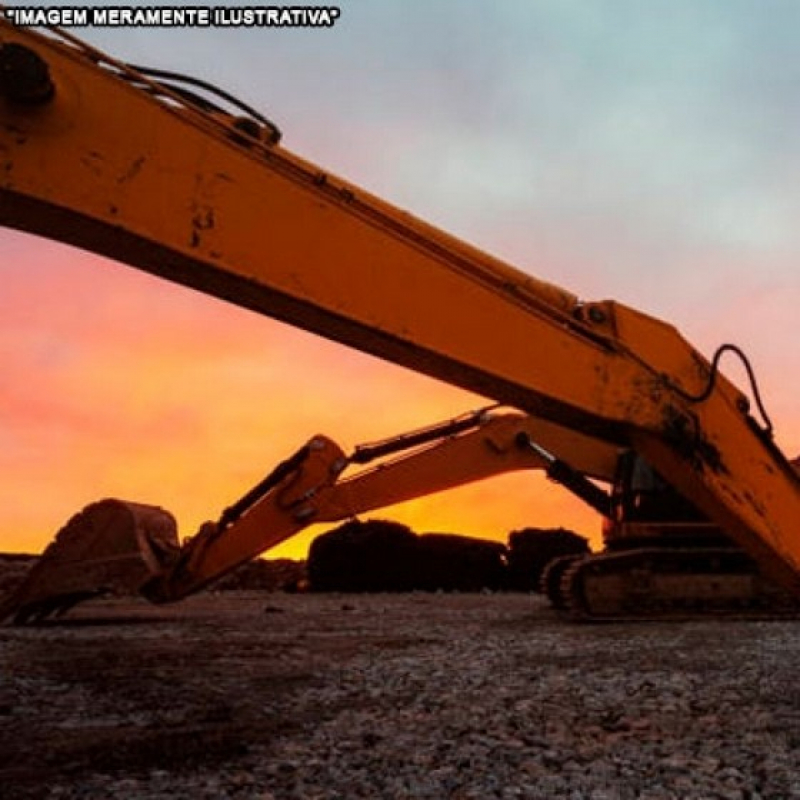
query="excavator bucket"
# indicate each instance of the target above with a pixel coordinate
(112, 546)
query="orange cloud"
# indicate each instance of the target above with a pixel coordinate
(118, 384)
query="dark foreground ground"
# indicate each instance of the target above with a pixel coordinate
(272, 696)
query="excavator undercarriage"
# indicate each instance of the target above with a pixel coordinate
(667, 583)
(662, 560)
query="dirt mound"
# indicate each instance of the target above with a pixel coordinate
(451, 563)
(278, 575)
(13, 568)
(380, 556)
(372, 556)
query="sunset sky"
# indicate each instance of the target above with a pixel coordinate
(647, 152)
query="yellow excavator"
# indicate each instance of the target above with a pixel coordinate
(165, 173)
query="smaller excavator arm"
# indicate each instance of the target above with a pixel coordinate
(313, 489)
(308, 488)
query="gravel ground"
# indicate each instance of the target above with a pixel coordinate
(271, 696)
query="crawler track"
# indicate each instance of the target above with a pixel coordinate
(669, 583)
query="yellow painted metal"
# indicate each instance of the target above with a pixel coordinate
(492, 449)
(287, 508)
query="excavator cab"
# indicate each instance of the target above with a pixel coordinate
(646, 510)
(640, 494)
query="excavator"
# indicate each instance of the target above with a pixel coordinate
(172, 176)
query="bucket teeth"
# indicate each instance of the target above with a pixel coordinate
(112, 546)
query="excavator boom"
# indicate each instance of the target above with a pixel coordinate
(99, 155)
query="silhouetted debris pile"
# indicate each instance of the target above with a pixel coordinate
(531, 549)
(374, 556)
(451, 563)
(379, 556)
(13, 569)
(383, 556)
(277, 575)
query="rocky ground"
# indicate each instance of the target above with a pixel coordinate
(275, 696)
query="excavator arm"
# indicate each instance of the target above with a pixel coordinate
(133, 547)
(99, 155)
(312, 488)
